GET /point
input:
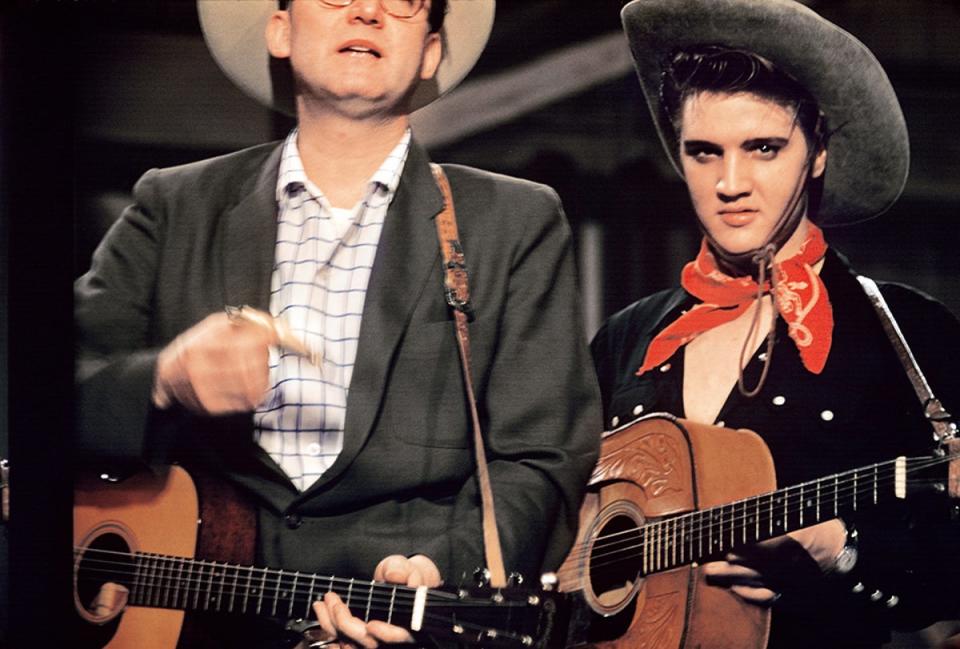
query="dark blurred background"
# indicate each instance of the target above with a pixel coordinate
(553, 99)
(95, 92)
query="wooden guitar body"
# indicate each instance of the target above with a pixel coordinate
(652, 469)
(168, 512)
(149, 514)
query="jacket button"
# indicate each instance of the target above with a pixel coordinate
(293, 521)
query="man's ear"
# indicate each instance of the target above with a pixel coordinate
(277, 34)
(819, 163)
(432, 53)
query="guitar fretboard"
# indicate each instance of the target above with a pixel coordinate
(160, 581)
(705, 534)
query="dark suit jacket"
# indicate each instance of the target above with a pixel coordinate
(202, 236)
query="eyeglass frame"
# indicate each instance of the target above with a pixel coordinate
(333, 4)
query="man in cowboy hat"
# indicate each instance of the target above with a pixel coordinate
(779, 123)
(334, 398)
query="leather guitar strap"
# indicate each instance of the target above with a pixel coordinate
(944, 429)
(458, 297)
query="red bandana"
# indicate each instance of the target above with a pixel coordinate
(801, 297)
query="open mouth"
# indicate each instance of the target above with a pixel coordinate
(356, 49)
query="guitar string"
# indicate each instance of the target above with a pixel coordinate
(286, 584)
(788, 503)
(882, 470)
(662, 550)
(376, 606)
(710, 521)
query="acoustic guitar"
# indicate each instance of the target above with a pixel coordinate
(654, 510)
(668, 494)
(136, 575)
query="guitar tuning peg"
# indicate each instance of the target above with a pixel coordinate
(515, 579)
(481, 576)
(548, 581)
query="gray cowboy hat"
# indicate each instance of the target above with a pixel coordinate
(869, 151)
(234, 31)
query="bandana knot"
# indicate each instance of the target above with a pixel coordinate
(800, 295)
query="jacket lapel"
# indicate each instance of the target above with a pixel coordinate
(407, 253)
(249, 239)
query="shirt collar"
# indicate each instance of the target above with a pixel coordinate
(386, 178)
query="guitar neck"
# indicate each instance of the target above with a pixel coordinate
(707, 534)
(159, 581)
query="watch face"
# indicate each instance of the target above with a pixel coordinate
(845, 560)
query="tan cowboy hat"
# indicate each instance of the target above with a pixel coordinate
(869, 151)
(234, 31)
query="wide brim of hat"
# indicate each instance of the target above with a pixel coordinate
(868, 154)
(234, 31)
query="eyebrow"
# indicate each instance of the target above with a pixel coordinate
(778, 141)
(689, 145)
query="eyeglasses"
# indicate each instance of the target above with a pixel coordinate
(396, 8)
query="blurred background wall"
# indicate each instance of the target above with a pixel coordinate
(553, 99)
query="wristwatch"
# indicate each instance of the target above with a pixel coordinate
(846, 559)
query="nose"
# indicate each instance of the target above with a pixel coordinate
(734, 181)
(369, 12)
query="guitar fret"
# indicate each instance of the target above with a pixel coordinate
(746, 521)
(784, 504)
(682, 523)
(263, 585)
(720, 529)
(710, 536)
(366, 617)
(246, 590)
(276, 593)
(645, 533)
(801, 505)
(836, 496)
(179, 584)
(733, 526)
(673, 544)
(818, 501)
(700, 536)
(771, 514)
(207, 596)
(154, 588)
(393, 597)
(171, 582)
(756, 516)
(874, 484)
(233, 589)
(855, 474)
(293, 591)
(306, 610)
(222, 581)
(161, 581)
(349, 593)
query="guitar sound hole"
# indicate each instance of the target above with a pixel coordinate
(104, 575)
(615, 560)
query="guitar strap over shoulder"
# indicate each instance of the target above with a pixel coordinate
(458, 297)
(944, 429)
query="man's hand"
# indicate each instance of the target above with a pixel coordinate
(337, 621)
(757, 573)
(218, 366)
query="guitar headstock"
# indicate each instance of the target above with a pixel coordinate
(508, 618)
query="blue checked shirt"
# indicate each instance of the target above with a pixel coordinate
(322, 266)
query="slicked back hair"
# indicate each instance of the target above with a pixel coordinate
(714, 68)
